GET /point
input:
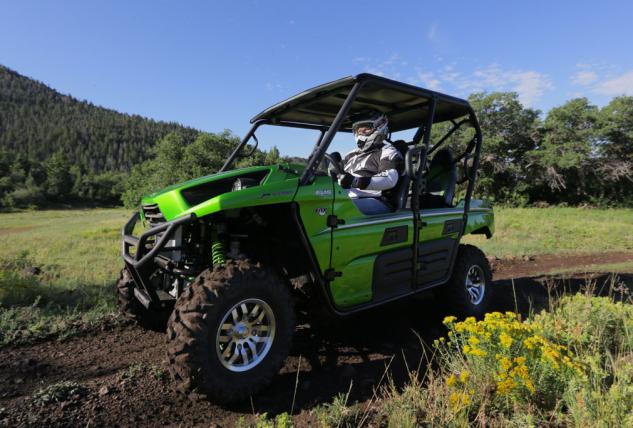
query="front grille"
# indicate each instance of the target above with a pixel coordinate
(153, 215)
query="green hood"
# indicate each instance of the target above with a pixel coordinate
(205, 195)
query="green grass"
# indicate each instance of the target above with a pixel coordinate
(57, 271)
(78, 254)
(532, 231)
(80, 246)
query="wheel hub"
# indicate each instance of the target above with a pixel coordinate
(245, 335)
(241, 331)
(475, 284)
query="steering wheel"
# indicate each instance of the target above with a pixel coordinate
(335, 163)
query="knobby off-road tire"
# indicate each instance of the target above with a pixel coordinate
(131, 308)
(208, 322)
(469, 292)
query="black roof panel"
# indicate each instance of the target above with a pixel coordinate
(405, 105)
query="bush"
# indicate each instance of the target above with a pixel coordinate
(570, 366)
(25, 197)
(502, 362)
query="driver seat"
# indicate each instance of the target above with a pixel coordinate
(397, 197)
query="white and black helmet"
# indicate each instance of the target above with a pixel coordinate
(370, 128)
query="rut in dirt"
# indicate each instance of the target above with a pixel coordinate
(123, 371)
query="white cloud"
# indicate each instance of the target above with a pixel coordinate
(620, 85)
(428, 80)
(390, 67)
(529, 84)
(584, 77)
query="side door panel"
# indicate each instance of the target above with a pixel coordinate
(315, 204)
(392, 273)
(372, 255)
(357, 244)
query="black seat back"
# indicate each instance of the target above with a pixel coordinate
(442, 176)
(397, 196)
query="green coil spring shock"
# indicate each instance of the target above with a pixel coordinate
(218, 252)
(218, 256)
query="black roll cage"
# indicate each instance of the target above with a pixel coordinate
(420, 149)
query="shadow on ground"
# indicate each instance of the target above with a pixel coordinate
(353, 356)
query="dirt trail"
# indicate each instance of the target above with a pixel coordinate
(122, 371)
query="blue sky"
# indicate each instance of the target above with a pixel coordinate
(215, 64)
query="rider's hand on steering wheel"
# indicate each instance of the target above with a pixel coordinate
(361, 182)
(345, 180)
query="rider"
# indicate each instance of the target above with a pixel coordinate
(373, 167)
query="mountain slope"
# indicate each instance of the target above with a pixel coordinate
(37, 121)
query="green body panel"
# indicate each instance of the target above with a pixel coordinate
(480, 215)
(352, 247)
(315, 204)
(278, 187)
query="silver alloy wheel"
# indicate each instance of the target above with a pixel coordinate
(476, 284)
(245, 335)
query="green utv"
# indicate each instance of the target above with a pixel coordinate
(226, 257)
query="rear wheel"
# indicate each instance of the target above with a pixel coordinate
(131, 308)
(469, 291)
(230, 332)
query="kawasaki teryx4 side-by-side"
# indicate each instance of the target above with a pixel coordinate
(222, 260)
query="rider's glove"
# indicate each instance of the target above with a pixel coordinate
(345, 180)
(361, 182)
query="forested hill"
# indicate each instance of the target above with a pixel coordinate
(37, 122)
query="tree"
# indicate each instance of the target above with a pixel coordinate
(616, 129)
(176, 161)
(272, 157)
(615, 168)
(510, 132)
(565, 159)
(59, 180)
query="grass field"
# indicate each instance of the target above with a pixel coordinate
(77, 252)
(532, 231)
(77, 255)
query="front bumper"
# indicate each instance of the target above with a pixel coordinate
(142, 264)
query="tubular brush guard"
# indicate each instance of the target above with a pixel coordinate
(141, 264)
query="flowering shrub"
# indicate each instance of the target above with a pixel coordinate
(507, 359)
(571, 366)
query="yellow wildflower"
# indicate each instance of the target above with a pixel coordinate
(505, 340)
(473, 340)
(505, 363)
(451, 380)
(458, 399)
(449, 320)
(506, 386)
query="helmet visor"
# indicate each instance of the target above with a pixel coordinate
(363, 128)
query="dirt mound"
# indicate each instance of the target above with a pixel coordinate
(119, 377)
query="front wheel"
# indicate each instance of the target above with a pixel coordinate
(131, 308)
(230, 332)
(469, 291)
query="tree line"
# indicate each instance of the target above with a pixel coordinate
(55, 150)
(578, 154)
